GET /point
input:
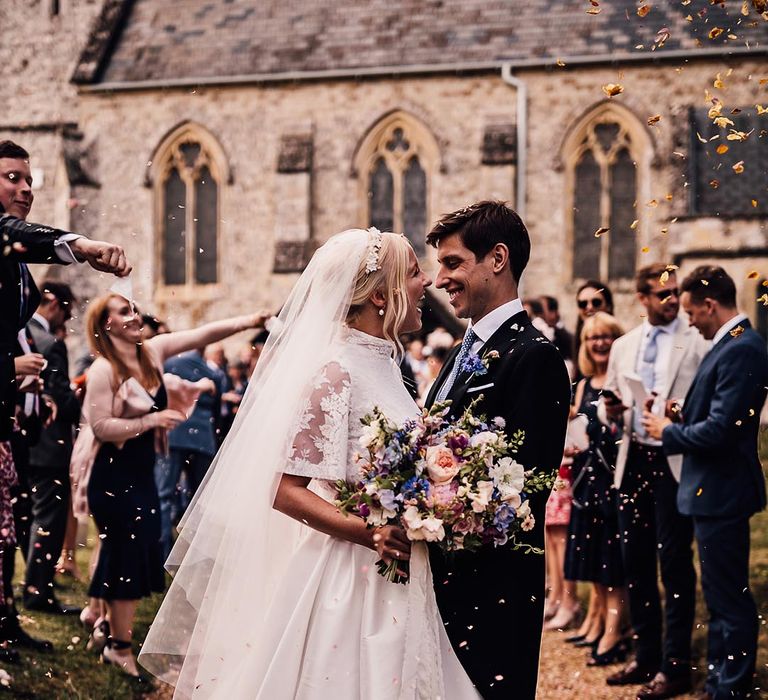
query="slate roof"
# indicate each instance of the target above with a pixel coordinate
(149, 40)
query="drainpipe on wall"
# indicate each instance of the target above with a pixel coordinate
(522, 135)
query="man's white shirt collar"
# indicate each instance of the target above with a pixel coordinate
(670, 327)
(727, 326)
(43, 321)
(492, 321)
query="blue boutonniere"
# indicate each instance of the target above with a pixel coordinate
(474, 365)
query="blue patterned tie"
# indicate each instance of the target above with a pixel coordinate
(469, 340)
(647, 373)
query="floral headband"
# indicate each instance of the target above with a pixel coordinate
(374, 249)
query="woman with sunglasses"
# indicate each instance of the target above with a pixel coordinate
(592, 296)
(593, 551)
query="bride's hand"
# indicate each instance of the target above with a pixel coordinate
(391, 543)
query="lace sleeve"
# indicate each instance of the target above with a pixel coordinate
(319, 448)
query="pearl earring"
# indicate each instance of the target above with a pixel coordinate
(381, 312)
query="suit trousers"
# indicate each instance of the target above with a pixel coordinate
(733, 624)
(50, 494)
(174, 499)
(652, 529)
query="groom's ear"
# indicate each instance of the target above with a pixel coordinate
(500, 259)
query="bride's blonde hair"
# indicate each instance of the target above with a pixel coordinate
(390, 278)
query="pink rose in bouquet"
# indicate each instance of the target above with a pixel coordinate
(442, 466)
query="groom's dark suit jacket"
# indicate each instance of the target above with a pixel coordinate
(492, 601)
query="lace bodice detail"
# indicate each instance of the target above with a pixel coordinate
(328, 430)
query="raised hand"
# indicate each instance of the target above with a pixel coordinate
(103, 256)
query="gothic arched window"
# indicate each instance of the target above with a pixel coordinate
(394, 163)
(188, 187)
(604, 204)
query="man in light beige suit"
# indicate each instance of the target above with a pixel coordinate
(664, 353)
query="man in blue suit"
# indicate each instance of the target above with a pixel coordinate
(722, 481)
(192, 444)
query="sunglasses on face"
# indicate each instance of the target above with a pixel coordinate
(595, 303)
(598, 338)
(665, 294)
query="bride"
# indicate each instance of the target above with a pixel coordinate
(275, 593)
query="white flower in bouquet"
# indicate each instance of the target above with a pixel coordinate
(428, 529)
(377, 517)
(509, 477)
(523, 510)
(528, 523)
(486, 437)
(482, 497)
(371, 435)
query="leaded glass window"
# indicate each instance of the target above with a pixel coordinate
(397, 182)
(190, 206)
(604, 205)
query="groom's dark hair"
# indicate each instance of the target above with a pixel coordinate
(483, 225)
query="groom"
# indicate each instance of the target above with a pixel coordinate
(492, 601)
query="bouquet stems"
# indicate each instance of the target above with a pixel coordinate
(395, 571)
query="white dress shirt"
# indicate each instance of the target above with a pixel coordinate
(43, 321)
(492, 321)
(728, 326)
(664, 343)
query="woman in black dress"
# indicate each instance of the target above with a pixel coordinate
(593, 551)
(127, 409)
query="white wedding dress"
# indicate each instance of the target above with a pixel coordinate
(261, 606)
(336, 628)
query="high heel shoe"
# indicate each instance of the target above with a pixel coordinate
(575, 638)
(110, 656)
(99, 636)
(564, 619)
(615, 655)
(584, 643)
(87, 619)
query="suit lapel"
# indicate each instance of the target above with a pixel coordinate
(502, 341)
(680, 343)
(445, 370)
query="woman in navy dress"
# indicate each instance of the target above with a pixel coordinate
(593, 550)
(127, 409)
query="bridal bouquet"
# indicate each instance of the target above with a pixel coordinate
(453, 483)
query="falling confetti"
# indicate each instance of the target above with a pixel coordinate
(753, 274)
(738, 168)
(601, 231)
(612, 89)
(654, 119)
(643, 10)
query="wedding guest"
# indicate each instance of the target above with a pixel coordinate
(535, 310)
(435, 361)
(593, 551)
(722, 483)
(33, 410)
(562, 607)
(49, 458)
(24, 243)
(662, 353)
(562, 338)
(192, 445)
(592, 296)
(127, 409)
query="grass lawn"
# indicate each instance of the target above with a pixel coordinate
(72, 672)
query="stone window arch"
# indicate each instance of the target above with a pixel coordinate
(189, 170)
(607, 158)
(395, 164)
